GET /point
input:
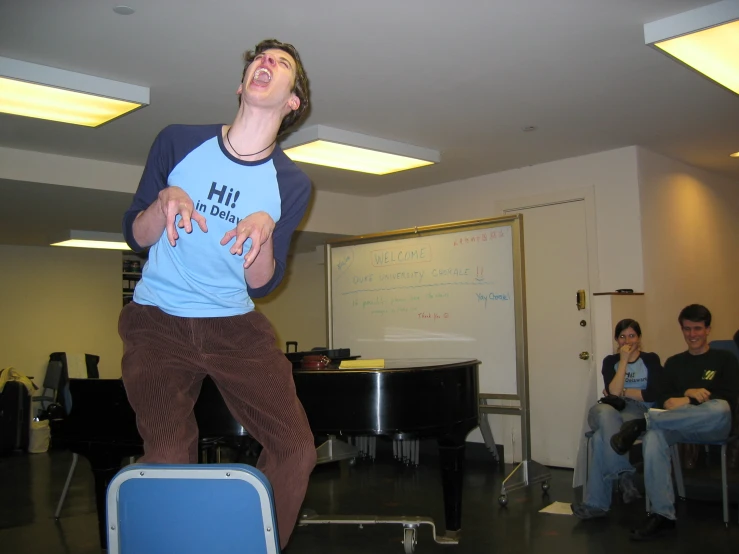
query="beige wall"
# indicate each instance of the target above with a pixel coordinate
(67, 299)
(59, 300)
(609, 176)
(297, 309)
(690, 227)
(689, 235)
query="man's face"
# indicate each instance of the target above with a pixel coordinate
(696, 334)
(269, 80)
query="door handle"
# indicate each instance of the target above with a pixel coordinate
(584, 355)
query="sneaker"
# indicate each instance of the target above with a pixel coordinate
(583, 511)
(654, 527)
(622, 441)
(629, 492)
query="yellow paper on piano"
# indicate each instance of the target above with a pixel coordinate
(378, 363)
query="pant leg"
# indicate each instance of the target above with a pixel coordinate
(256, 382)
(707, 422)
(161, 382)
(605, 464)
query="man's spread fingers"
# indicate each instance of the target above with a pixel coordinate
(171, 230)
(198, 217)
(185, 214)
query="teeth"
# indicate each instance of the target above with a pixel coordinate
(261, 71)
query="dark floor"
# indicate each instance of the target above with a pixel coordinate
(30, 486)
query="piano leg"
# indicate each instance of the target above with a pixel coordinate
(103, 477)
(451, 458)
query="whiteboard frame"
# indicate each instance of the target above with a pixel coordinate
(515, 221)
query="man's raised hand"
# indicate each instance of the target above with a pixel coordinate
(174, 201)
(258, 227)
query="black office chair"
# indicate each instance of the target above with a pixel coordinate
(63, 405)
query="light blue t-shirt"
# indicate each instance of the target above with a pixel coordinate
(199, 277)
(636, 377)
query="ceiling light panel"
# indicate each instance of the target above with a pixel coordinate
(93, 239)
(331, 147)
(705, 39)
(37, 91)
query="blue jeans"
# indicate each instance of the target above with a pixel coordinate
(705, 423)
(605, 464)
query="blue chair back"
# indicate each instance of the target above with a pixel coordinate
(191, 509)
(729, 345)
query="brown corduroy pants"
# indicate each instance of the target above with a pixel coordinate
(165, 360)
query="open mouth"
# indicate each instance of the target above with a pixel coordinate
(262, 76)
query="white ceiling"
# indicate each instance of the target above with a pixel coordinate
(460, 77)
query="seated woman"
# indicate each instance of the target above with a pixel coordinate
(631, 376)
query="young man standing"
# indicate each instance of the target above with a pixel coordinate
(192, 313)
(699, 395)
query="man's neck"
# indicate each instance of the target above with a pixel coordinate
(699, 351)
(253, 133)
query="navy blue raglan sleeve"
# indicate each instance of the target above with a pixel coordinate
(158, 166)
(608, 370)
(295, 192)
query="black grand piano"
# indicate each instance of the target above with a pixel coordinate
(425, 398)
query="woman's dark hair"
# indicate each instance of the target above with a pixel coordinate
(695, 313)
(627, 324)
(300, 87)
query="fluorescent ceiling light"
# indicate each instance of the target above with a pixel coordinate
(331, 147)
(93, 239)
(706, 39)
(32, 90)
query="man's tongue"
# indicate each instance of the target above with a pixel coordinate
(261, 77)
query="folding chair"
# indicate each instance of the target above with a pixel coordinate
(678, 472)
(188, 509)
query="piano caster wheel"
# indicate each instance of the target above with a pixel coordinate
(503, 500)
(409, 540)
(545, 487)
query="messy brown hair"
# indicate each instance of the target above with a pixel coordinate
(300, 86)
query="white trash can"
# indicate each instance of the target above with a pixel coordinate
(39, 437)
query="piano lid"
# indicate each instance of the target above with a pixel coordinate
(404, 364)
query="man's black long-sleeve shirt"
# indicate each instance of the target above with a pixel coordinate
(717, 371)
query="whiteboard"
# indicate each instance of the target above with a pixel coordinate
(442, 291)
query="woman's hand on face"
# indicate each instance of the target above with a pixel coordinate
(627, 350)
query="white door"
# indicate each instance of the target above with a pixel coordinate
(556, 267)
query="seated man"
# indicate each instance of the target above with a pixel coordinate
(698, 394)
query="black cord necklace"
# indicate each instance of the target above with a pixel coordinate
(246, 155)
